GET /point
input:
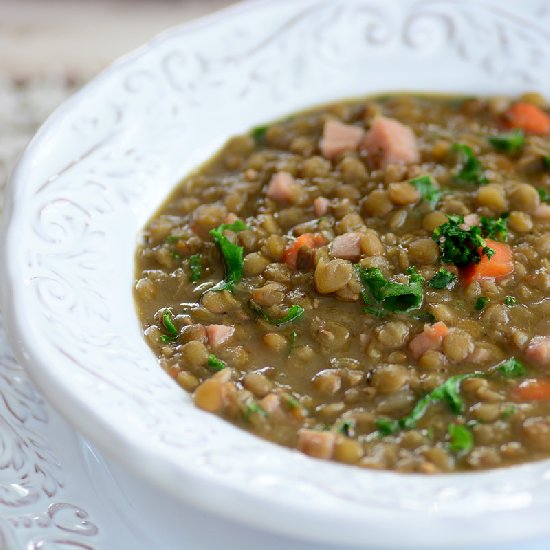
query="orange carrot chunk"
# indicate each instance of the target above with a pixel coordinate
(527, 117)
(308, 240)
(533, 390)
(497, 266)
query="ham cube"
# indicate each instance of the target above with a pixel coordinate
(283, 187)
(390, 142)
(316, 444)
(538, 351)
(320, 206)
(339, 137)
(346, 246)
(430, 338)
(218, 334)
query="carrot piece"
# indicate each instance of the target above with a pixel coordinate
(533, 390)
(309, 240)
(497, 266)
(440, 329)
(527, 117)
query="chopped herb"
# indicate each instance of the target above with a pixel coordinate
(291, 401)
(460, 246)
(495, 228)
(176, 255)
(292, 342)
(481, 302)
(346, 427)
(508, 412)
(172, 239)
(195, 268)
(232, 255)
(546, 161)
(448, 392)
(443, 279)
(511, 368)
(215, 364)
(544, 195)
(258, 134)
(510, 301)
(461, 439)
(293, 313)
(424, 316)
(251, 407)
(470, 170)
(509, 142)
(387, 426)
(380, 293)
(427, 189)
(172, 331)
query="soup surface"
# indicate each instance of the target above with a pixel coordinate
(367, 282)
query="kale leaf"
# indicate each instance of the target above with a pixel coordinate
(470, 170)
(443, 279)
(232, 255)
(427, 189)
(509, 142)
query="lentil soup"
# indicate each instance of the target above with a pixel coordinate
(367, 282)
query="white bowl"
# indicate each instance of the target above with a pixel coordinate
(103, 162)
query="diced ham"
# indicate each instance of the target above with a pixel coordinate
(390, 142)
(282, 187)
(339, 137)
(218, 334)
(430, 338)
(320, 206)
(316, 444)
(542, 212)
(470, 220)
(346, 246)
(538, 351)
(271, 404)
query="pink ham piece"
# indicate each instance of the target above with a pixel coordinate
(218, 334)
(282, 187)
(390, 142)
(470, 220)
(538, 351)
(542, 212)
(430, 338)
(346, 246)
(339, 137)
(316, 444)
(320, 206)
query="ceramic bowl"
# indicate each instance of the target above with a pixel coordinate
(103, 162)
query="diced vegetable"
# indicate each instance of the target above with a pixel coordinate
(510, 301)
(442, 279)
(232, 255)
(379, 293)
(308, 240)
(427, 189)
(544, 195)
(215, 364)
(461, 439)
(533, 390)
(171, 331)
(294, 312)
(498, 265)
(495, 228)
(470, 170)
(481, 302)
(511, 368)
(527, 117)
(459, 246)
(195, 268)
(447, 392)
(258, 134)
(509, 142)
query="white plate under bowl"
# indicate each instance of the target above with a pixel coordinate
(104, 161)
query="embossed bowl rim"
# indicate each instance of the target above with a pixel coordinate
(418, 512)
